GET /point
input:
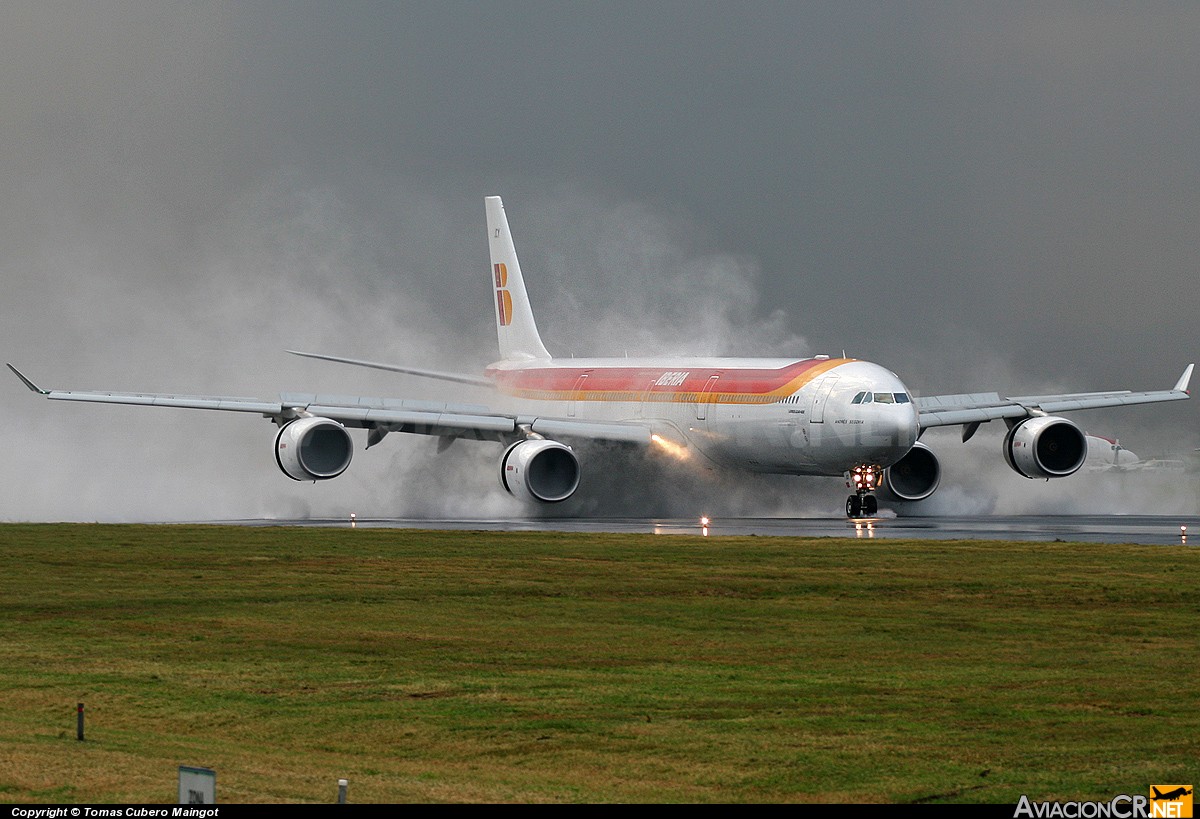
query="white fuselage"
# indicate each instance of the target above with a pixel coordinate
(762, 415)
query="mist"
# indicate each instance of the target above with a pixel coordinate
(977, 198)
(976, 481)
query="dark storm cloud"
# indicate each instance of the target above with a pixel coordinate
(993, 197)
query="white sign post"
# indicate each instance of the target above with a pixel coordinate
(197, 786)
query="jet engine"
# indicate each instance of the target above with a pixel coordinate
(313, 449)
(914, 477)
(1045, 447)
(540, 470)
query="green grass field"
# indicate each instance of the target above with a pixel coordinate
(555, 667)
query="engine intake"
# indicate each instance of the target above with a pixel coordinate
(914, 477)
(313, 449)
(1045, 447)
(541, 470)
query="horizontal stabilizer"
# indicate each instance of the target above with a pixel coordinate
(458, 378)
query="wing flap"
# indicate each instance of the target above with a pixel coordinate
(420, 422)
(458, 378)
(301, 399)
(613, 432)
(950, 416)
(1126, 399)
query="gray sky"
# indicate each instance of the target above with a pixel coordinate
(979, 196)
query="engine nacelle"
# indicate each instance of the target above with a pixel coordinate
(313, 449)
(541, 470)
(1045, 447)
(914, 477)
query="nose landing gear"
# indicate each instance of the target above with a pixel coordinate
(861, 506)
(863, 480)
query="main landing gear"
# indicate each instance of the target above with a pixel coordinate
(863, 480)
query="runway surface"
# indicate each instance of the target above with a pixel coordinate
(1142, 529)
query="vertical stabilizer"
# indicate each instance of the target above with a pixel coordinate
(515, 328)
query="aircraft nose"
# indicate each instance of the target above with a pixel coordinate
(911, 427)
(895, 430)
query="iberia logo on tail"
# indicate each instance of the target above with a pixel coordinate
(503, 297)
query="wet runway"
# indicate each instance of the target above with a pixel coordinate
(1141, 529)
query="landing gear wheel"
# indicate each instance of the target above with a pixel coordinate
(861, 506)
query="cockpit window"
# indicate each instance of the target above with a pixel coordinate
(881, 398)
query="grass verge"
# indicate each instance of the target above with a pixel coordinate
(564, 667)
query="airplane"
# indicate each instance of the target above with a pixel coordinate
(1170, 796)
(821, 416)
(1106, 454)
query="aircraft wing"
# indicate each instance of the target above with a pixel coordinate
(972, 409)
(381, 415)
(458, 420)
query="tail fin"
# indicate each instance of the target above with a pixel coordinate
(515, 328)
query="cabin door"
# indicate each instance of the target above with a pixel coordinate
(820, 398)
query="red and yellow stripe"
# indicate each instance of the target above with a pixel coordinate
(732, 386)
